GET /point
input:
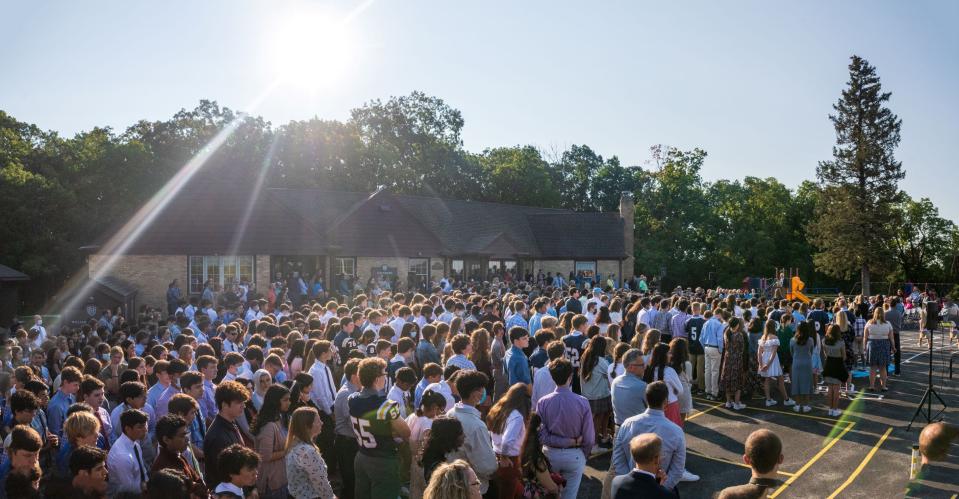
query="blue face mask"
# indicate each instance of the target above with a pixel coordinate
(482, 399)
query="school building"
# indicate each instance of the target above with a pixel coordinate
(209, 232)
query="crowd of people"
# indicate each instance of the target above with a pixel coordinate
(474, 389)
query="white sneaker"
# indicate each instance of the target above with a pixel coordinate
(806, 408)
(796, 408)
(688, 477)
(789, 402)
(729, 405)
(770, 402)
(739, 407)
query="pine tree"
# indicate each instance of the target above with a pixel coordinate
(853, 225)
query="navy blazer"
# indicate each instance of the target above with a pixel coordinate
(637, 484)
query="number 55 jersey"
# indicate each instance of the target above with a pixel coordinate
(371, 415)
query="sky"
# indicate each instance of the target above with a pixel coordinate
(752, 83)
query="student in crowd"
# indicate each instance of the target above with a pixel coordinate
(125, 461)
(834, 367)
(224, 432)
(712, 341)
(445, 438)
(455, 480)
(516, 362)
(567, 430)
(507, 426)
(70, 379)
(81, 428)
(478, 448)
(88, 467)
(376, 423)
(305, 469)
(769, 368)
(594, 382)
(877, 341)
(431, 406)
(344, 444)
(269, 433)
(238, 468)
(732, 379)
(172, 436)
(801, 375)
(22, 456)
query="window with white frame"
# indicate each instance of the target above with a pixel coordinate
(420, 267)
(222, 270)
(344, 266)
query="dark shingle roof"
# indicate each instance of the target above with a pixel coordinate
(8, 274)
(315, 222)
(584, 235)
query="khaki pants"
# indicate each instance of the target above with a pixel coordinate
(713, 358)
(699, 368)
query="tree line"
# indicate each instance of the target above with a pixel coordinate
(58, 194)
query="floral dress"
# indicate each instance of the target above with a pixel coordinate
(306, 473)
(732, 377)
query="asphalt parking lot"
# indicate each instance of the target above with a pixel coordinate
(864, 453)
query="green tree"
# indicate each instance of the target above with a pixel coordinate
(860, 184)
(413, 146)
(324, 154)
(576, 169)
(518, 175)
(672, 217)
(923, 244)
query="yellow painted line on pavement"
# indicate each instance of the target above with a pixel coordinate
(812, 461)
(778, 411)
(704, 411)
(862, 465)
(728, 461)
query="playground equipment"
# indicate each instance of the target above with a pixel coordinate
(793, 284)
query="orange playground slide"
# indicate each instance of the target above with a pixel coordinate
(796, 290)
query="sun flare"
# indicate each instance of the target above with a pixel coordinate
(312, 51)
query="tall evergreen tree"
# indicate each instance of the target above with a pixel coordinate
(853, 225)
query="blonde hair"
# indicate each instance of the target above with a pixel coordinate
(80, 424)
(449, 481)
(300, 423)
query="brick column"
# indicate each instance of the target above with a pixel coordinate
(627, 210)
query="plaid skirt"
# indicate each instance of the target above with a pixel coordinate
(602, 405)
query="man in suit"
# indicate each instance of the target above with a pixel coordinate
(644, 480)
(764, 454)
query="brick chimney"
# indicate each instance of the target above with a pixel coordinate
(627, 210)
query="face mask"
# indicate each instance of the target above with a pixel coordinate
(105, 356)
(482, 399)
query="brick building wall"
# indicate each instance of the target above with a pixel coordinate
(261, 269)
(150, 274)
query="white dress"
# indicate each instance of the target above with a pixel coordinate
(766, 347)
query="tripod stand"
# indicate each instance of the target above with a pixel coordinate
(925, 404)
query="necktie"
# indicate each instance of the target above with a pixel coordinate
(103, 432)
(136, 452)
(329, 381)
